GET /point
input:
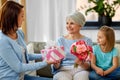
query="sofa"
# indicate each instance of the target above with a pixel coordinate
(46, 71)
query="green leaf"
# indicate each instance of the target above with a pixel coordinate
(74, 48)
(104, 8)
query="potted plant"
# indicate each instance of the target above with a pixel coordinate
(105, 9)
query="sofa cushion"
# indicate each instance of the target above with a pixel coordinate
(30, 48)
(38, 46)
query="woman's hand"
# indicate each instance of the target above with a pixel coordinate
(50, 62)
(57, 64)
(79, 62)
(83, 64)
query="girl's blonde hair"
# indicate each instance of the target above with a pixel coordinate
(110, 37)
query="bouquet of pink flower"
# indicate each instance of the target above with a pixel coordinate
(81, 50)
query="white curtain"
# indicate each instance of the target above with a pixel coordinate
(46, 19)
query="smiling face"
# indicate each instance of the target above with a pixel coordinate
(20, 17)
(72, 27)
(101, 38)
(106, 38)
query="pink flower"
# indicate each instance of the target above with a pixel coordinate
(81, 50)
(83, 56)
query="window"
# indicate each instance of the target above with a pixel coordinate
(92, 17)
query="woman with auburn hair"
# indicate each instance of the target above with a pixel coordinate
(14, 58)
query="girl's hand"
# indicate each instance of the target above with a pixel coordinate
(105, 73)
(100, 71)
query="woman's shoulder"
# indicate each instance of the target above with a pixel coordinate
(88, 40)
(64, 38)
(61, 38)
(4, 41)
(3, 37)
(20, 32)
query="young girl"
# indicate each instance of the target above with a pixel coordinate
(105, 61)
